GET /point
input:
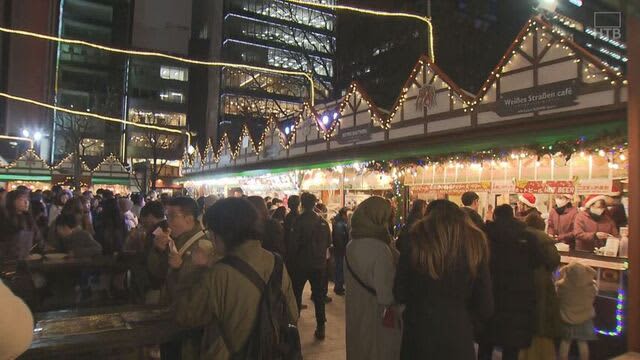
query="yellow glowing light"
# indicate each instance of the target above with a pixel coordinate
(166, 56)
(424, 19)
(96, 116)
(19, 138)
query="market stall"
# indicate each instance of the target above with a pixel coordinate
(110, 174)
(27, 170)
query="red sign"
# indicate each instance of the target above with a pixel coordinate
(457, 188)
(545, 187)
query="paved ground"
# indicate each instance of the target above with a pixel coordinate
(333, 347)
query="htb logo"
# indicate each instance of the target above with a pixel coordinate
(608, 24)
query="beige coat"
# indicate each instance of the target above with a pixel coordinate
(225, 295)
(576, 293)
(372, 261)
(16, 325)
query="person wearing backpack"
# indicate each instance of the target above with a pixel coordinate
(245, 302)
(309, 241)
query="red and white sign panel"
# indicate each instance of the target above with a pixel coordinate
(453, 188)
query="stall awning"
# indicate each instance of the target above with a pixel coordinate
(110, 181)
(19, 177)
(451, 145)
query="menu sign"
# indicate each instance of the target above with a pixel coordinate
(456, 188)
(538, 98)
(545, 187)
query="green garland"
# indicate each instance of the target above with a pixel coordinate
(609, 143)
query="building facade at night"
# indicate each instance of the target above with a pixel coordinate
(89, 79)
(266, 33)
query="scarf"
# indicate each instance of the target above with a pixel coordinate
(561, 210)
(371, 220)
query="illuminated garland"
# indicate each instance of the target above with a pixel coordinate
(469, 104)
(604, 146)
(619, 316)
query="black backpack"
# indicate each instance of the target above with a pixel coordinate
(274, 336)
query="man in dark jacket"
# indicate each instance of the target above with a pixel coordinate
(309, 240)
(514, 257)
(290, 219)
(471, 202)
(340, 236)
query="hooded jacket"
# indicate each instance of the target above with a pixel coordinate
(576, 293)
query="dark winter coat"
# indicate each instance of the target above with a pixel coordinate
(273, 238)
(439, 315)
(402, 244)
(309, 240)
(547, 306)
(514, 257)
(561, 224)
(340, 236)
(474, 216)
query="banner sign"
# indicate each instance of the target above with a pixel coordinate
(545, 187)
(595, 186)
(353, 135)
(543, 97)
(503, 187)
(457, 188)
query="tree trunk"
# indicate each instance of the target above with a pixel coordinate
(154, 172)
(77, 167)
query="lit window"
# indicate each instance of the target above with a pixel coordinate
(174, 73)
(92, 147)
(172, 97)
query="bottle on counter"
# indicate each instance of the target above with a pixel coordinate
(624, 242)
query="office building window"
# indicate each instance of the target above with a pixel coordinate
(174, 73)
(172, 97)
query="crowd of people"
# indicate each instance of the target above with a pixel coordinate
(449, 285)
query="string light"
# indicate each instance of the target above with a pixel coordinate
(165, 56)
(96, 116)
(468, 104)
(19, 138)
(619, 317)
(424, 19)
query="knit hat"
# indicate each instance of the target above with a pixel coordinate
(568, 196)
(591, 199)
(528, 199)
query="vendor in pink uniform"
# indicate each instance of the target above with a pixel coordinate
(593, 226)
(561, 220)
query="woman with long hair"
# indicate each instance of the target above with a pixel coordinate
(443, 279)
(60, 198)
(370, 260)
(80, 208)
(279, 214)
(273, 236)
(19, 231)
(110, 227)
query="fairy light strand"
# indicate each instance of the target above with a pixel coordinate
(424, 19)
(96, 116)
(166, 56)
(19, 138)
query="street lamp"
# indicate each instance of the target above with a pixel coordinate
(37, 136)
(25, 133)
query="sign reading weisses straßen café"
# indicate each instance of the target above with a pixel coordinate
(538, 98)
